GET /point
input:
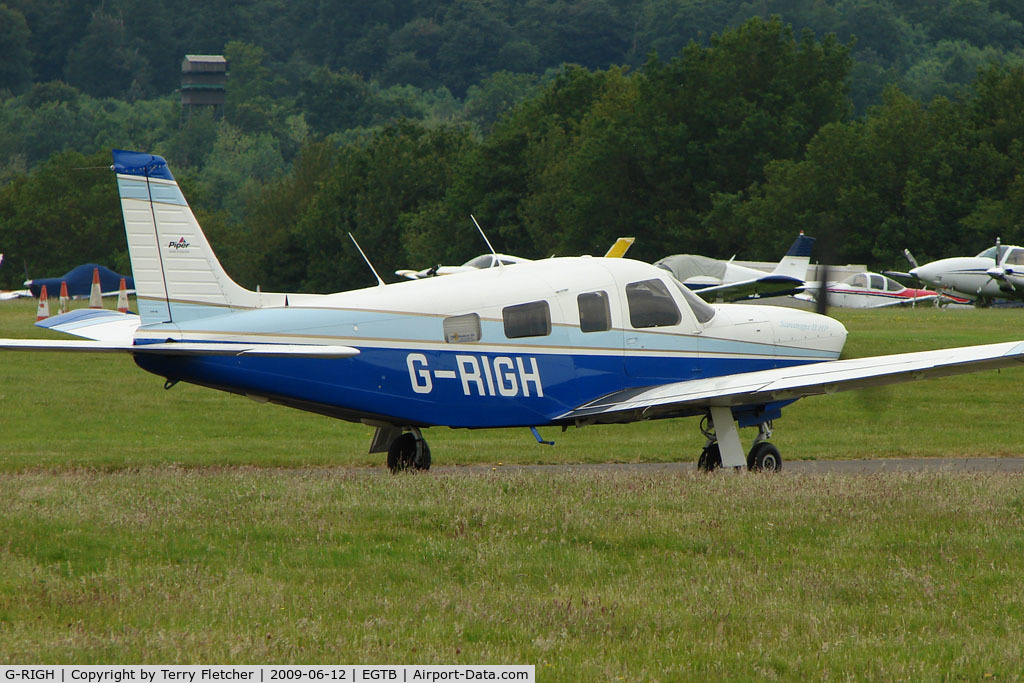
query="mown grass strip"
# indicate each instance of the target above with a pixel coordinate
(587, 575)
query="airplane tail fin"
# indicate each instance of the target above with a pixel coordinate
(619, 249)
(797, 259)
(177, 276)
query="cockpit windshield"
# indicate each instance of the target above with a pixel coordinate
(703, 311)
(484, 261)
(988, 253)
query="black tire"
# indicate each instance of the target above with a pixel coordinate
(422, 459)
(402, 452)
(710, 458)
(764, 457)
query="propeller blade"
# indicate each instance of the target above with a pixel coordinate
(822, 297)
(910, 257)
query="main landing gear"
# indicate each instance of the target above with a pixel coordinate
(723, 439)
(407, 450)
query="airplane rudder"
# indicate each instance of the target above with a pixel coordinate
(177, 274)
(802, 246)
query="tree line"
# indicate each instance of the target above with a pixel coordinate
(131, 50)
(732, 146)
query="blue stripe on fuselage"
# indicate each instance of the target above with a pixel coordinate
(458, 388)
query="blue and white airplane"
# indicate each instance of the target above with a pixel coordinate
(558, 342)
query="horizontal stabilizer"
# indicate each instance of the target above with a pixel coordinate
(98, 324)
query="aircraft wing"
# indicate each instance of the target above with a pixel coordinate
(183, 348)
(908, 301)
(755, 288)
(693, 397)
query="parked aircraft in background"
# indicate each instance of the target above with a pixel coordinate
(494, 260)
(873, 290)
(481, 262)
(79, 281)
(716, 280)
(996, 273)
(559, 342)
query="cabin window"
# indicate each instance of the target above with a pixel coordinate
(1015, 258)
(595, 312)
(651, 305)
(527, 320)
(460, 329)
(877, 282)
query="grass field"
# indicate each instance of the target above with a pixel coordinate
(151, 526)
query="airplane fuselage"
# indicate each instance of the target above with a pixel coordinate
(513, 346)
(997, 272)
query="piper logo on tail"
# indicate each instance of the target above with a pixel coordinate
(180, 244)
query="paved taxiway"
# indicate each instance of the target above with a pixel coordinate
(788, 466)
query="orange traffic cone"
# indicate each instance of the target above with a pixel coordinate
(95, 294)
(65, 300)
(43, 312)
(122, 298)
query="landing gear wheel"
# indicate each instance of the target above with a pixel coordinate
(422, 459)
(402, 452)
(408, 452)
(764, 457)
(710, 458)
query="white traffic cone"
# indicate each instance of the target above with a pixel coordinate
(64, 301)
(122, 298)
(95, 294)
(43, 312)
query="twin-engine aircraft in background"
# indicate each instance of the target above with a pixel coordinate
(716, 280)
(996, 273)
(557, 342)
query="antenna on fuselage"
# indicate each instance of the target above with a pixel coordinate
(380, 283)
(482, 234)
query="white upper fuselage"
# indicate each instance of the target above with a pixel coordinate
(388, 314)
(980, 276)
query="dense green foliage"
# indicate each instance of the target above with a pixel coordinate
(395, 122)
(118, 48)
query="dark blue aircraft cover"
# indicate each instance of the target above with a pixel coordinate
(80, 281)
